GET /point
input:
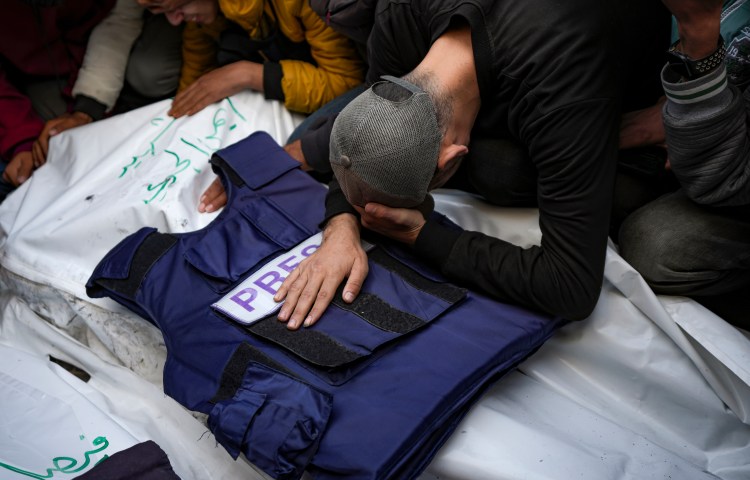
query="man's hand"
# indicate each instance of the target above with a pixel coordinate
(215, 196)
(643, 128)
(19, 169)
(57, 125)
(294, 150)
(309, 289)
(698, 24)
(216, 85)
(400, 224)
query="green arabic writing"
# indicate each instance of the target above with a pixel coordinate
(203, 147)
(65, 464)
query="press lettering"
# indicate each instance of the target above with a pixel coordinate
(309, 250)
(267, 281)
(284, 264)
(245, 297)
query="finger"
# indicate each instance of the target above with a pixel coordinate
(188, 97)
(210, 195)
(11, 174)
(292, 294)
(201, 102)
(25, 170)
(305, 301)
(37, 154)
(283, 291)
(212, 202)
(44, 141)
(182, 107)
(176, 110)
(54, 127)
(377, 210)
(322, 300)
(300, 295)
(356, 279)
(65, 124)
(216, 203)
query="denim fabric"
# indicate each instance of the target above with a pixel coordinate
(47, 97)
(682, 248)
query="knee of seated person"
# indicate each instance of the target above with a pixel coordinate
(650, 248)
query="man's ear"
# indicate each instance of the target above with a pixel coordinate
(450, 153)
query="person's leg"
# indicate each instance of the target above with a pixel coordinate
(153, 71)
(682, 248)
(47, 98)
(641, 178)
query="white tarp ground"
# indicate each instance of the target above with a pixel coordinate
(647, 387)
(48, 413)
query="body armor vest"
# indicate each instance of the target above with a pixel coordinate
(371, 391)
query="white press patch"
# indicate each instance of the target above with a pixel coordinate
(252, 299)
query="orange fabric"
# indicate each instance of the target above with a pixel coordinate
(306, 86)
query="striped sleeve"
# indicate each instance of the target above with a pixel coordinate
(689, 97)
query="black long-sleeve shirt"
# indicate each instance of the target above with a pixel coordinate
(548, 79)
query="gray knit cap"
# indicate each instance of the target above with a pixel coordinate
(384, 146)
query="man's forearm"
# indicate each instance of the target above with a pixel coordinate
(698, 24)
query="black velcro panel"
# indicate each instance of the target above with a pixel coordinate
(445, 291)
(315, 347)
(378, 313)
(234, 372)
(148, 252)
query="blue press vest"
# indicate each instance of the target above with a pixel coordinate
(371, 391)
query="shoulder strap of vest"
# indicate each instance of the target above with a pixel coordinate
(148, 252)
(269, 161)
(443, 290)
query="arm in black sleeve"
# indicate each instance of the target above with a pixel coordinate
(336, 202)
(314, 143)
(272, 75)
(574, 150)
(90, 106)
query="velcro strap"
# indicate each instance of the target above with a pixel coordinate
(327, 350)
(147, 253)
(231, 377)
(445, 291)
(311, 345)
(256, 161)
(378, 313)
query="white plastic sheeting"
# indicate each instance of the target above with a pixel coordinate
(647, 387)
(49, 414)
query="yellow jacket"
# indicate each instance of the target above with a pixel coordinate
(304, 87)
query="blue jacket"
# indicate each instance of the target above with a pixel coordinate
(371, 391)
